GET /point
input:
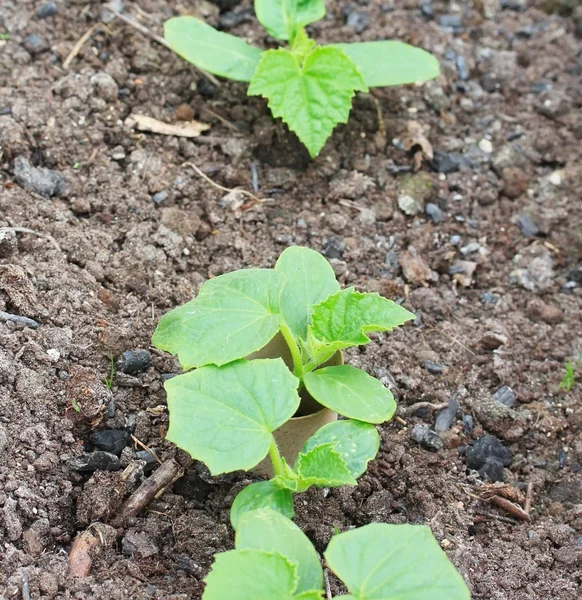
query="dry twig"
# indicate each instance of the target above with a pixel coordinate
(50, 238)
(80, 43)
(528, 497)
(157, 38)
(407, 410)
(151, 488)
(140, 443)
(221, 187)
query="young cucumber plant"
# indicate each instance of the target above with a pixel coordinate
(273, 558)
(224, 410)
(308, 85)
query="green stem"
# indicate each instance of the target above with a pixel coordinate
(276, 459)
(294, 349)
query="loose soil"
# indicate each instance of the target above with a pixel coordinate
(492, 272)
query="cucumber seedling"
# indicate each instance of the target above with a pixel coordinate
(308, 85)
(225, 408)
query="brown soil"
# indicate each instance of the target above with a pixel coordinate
(138, 232)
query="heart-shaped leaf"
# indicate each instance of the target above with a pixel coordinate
(342, 320)
(385, 562)
(269, 531)
(312, 94)
(310, 279)
(356, 442)
(281, 17)
(352, 393)
(224, 416)
(322, 466)
(234, 314)
(262, 494)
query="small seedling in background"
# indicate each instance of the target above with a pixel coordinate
(571, 367)
(225, 410)
(273, 558)
(308, 85)
(111, 377)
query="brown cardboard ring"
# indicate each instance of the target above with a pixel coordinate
(311, 415)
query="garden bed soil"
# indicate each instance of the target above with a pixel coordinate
(492, 269)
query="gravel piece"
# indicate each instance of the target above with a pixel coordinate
(488, 456)
(427, 438)
(110, 440)
(132, 362)
(46, 10)
(446, 417)
(95, 461)
(506, 396)
(41, 181)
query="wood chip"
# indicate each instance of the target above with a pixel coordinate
(187, 129)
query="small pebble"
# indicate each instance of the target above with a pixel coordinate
(333, 247)
(35, 44)
(527, 225)
(488, 456)
(132, 362)
(427, 438)
(427, 10)
(160, 197)
(409, 205)
(450, 21)
(433, 367)
(575, 274)
(95, 461)
(446, 416)
(110, 440)
(486, 146)
(488, 298)
(506, 396)
(434, 213)
(47, 9)
(455, 240)
(468, 424)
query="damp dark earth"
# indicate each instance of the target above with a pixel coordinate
(460, 198)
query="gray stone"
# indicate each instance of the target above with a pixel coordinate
(506, 396)
(409, 205)
(47, 9)
(446, 417)
(106, 86)
(38, 180)
(427, 438)
(434, 213)
(527, 225)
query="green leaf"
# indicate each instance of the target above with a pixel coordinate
(322, 466)
(310, 279)
(385, 562)
(234, 314)
(211, 50)
(251, 575)
(352, 393)
(224, 416)
(356, 442)
(344, 319)
(391, 63)
(269, 531)
(281, 17)
(263, 494)
(311, 96)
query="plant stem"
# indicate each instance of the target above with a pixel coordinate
(276, 458)
(294, 349)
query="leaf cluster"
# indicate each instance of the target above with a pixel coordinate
(273, 558)
(224, 410)
(307, 85)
